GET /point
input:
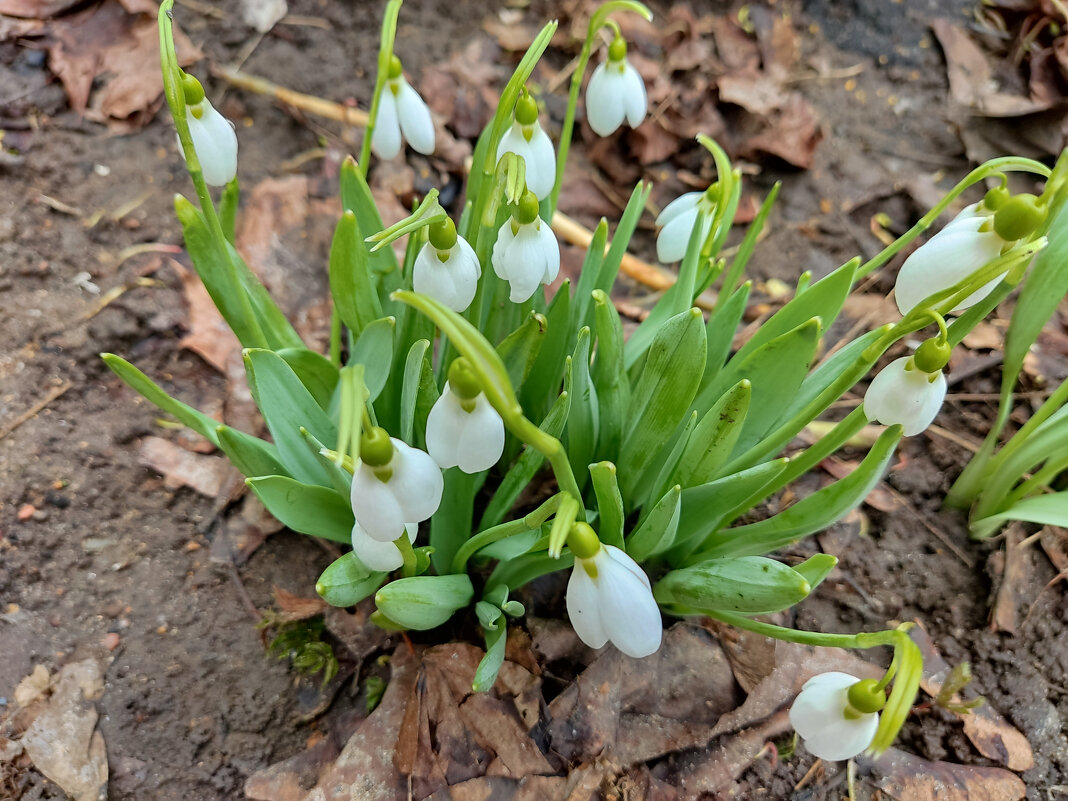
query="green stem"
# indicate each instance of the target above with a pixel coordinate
(530, 522)
(404, 545)
(385, 55)
(552, 449)
(335, 337)
(864, 639)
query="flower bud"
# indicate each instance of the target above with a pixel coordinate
(1018, 217)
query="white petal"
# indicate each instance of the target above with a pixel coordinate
(908, 397)
(583, 608)
(818, 717)
(513, 141)
(386, 139)
(550, 250)
(215, 143)
(452, 282)
(500, 248)
(947, 258)
(604, 100)
(628, 611)
(542, 162)
(415, 121)
(675, 236)
(683, 203)
(481, 437)
(375, 506)
(416, 483)
(525, 263)
(468, 253)
(635, 101)
(445, 420)
(383, 556)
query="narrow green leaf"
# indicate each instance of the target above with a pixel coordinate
(660, 475)
(347, 581)
(517, 572)
(424, 602)
(628, 223)
(656, 533)
(715, 437)
(305, 508)
(587, 282)
(356, 198)
(415, 367)
(341, 479)
(374, 350)
(719, 336)
(352, 284)
(609, 503)
(582, 420)
(490, 666)
(317, 373)
(520, 348)
(228, 203)
(816, 568)
(451, 524)
(1046, 510)
(543, 383)
(609, 378)
(250, 455)
(749, 585)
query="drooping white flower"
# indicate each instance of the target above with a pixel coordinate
(678, 219)
(447, 268)
(609, 600)
(214, 141)
(615, 92)
(402, 115)
(381, 556)
(950, 256)
(527, 139)
(393, 485)
(471, 439)
(824, 718)
(903, 393)
(526, 253)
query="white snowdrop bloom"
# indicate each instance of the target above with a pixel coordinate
(609, 600)
(678, 220)
(903, 393)
(384, 557)
(215, 143)
(402, 115)
(615, 92)
(447, 268)
(826, 718)
(469, 438)
(527, 139)
(526, 253)
(393, 485)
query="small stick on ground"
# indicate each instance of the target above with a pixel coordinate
(36, 409)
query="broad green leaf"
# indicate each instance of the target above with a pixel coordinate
(374, 350)
(521, 570)
(347, 581)
(543, 383)
(1046, 510)
(251, 455)
(306, 508)
(609, 378)
(660, 475)
(415, 368)
(582, 420)
(511, 547)
(352, 284)
(587, 282)
(287, 406)
(520, 348)
(812, 513)
(663, 393)
(714, 439)
(451, 524)
(719, 336)
(341, 479)
(424, 602)
(609, 503)
(356, 197)
(490, 666)
(656, 533)
(749, 585)
(317, 373)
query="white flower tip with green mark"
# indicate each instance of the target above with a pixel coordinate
(950, 256)
(609, 600)
(455, 437)
(384, 557)
(411, 493)
(402, 116)
(215, 143)
(677, 221)
(527, 258)
(909, 397)
(536, 149)
(616, 92)
(452, 282)
(818, 715)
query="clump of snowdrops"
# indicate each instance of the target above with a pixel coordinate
(455, 374)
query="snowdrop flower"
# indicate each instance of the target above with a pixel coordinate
(447, 268)
(463, 429)
(837, 714)
(609, 598)
(402, 114)
(526, 252)
(394, 485)
(526, 139)
(678, 220)
(214, 139)
(383, 557)
(615, 91)
(910, 390)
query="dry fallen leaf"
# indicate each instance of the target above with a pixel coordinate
(180, 468)
(296, 607)
(35, 9)
(905, 777)
(793, 134)
(1013, 582)
(32, 687)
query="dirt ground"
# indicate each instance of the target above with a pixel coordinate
(100, 557)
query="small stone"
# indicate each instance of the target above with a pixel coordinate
(111, 641)
(192, 545)
(26, 511)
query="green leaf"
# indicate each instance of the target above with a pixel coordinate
(305, 508)
(356, 197)
(347, 581)
(490, 666)
(352, 284)
(424, 602)
(609, 378)
(524, 569)
(660, 475)
(665, 388)
(341, 479)
(488, 614)
(286, 406)
(317, 373)
(719, 335)
(587, 282)
(1046, 510)
(511, 547)
(656, 533)
(542, 384)
(816, 568)
(609, 503)
(828, 372)
(715, 437)
(748, 243)
(520, 348)
(228, 202)
(628, 223)
(810, 514)
(582, 420)
(250, 455)
(374, 350)
(451, 524)
(749, 585)
(418, 379)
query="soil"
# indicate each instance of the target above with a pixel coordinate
(192, 704)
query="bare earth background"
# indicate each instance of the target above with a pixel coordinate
(124, 544)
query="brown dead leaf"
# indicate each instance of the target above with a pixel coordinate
(119, 53)
(296, 607)
(509, 30)
(209, 336)
(714, 769)
(737, 50)
(500, 788)
(985, 336)
(32, 686)
(990, 733)
(63, 742)
(35, 9)
(1054, 542)
(793, 134)
(905, 777)
(13, 28)
(752, 657)
(780, 46)
(756, 92)
(180, 468)
(651, 142)
(1014, 580)
(463, 91)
